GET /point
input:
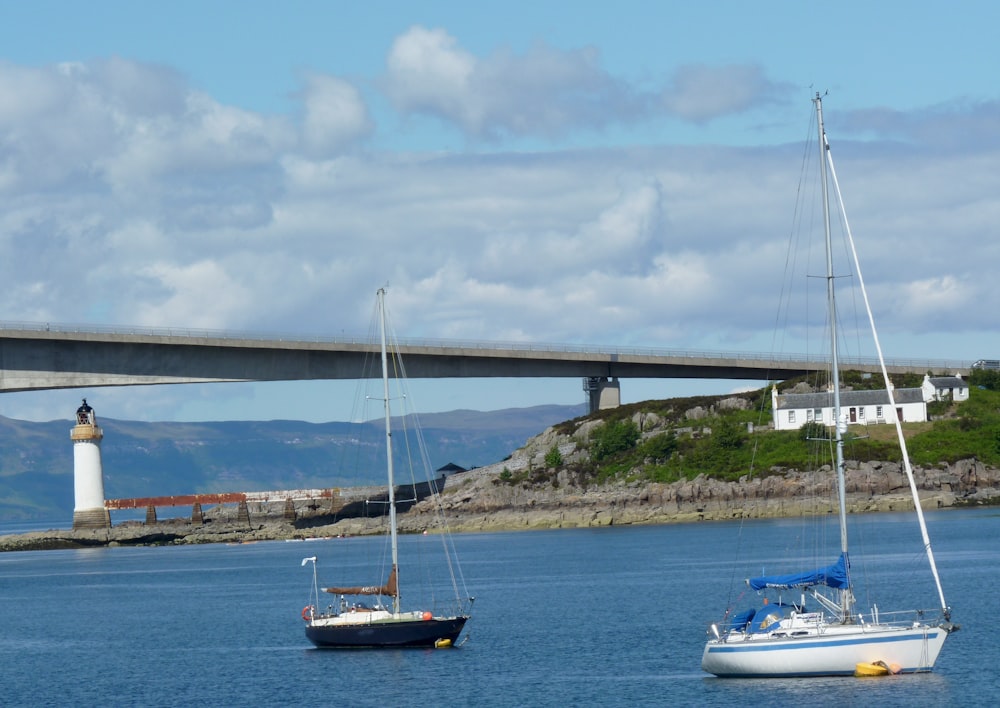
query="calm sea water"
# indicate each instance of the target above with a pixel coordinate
(612, 616)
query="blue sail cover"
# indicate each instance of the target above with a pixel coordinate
(834, 576)
(740, 621)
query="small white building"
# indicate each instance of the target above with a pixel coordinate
(945, 388)
(793, 410)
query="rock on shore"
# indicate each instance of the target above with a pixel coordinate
(482, 500)
(482, 503)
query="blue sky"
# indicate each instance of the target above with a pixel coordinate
(589, 173)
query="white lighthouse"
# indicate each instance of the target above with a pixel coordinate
(88, 474)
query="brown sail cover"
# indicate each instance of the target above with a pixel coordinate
(389, 588)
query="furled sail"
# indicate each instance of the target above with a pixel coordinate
(390, 588)
(834, 576)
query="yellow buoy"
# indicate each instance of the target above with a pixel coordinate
(442, 643)
(875, 668)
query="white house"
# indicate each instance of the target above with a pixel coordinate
(792, 410)
(945, 388)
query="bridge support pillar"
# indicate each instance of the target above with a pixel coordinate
(197, 517)
(604, 392)
(150, 515)
(289, 509)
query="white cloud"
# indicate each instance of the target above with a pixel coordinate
(427, 70)
(931, 299)
(131, 198)
(203, 294)
(544, 92)
(700, 93)
(335, 115)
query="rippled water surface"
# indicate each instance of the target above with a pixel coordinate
(612, 616)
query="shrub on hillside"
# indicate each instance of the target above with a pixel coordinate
(612, 438)
(659, 447)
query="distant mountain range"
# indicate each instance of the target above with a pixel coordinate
(158, 459)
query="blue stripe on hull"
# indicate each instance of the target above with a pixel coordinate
(803, 652)
(791, 644)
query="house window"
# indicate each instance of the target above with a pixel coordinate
(818, 414)
(809, 415)
(878, 412)
(791, 416)
(861, 413)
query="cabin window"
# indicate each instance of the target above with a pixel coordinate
(791, 416)
(878, 412)
(818, 414)
(861, 413)
(809, 416)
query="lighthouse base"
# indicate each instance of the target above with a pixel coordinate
(91, 519)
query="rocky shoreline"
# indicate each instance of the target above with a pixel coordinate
(482, 501)
(485, 504)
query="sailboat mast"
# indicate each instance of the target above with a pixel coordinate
(388, 447)
(907, 466)
(838, 426)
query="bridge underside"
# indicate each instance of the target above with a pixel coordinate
(32, 360)
(36, 360)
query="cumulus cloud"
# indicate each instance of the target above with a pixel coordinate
(130, 198)
(551, 93)
(543, 92)
(335, 115)
(201, 293)
(944, 128)
(931, 299)
(701, 93)
(428, 71)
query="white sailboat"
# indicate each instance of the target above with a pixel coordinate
(815, 628)
(372, 624)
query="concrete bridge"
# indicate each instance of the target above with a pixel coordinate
(45, 356)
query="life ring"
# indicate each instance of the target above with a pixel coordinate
(307, 612)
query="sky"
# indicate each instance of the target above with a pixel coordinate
(614, 174)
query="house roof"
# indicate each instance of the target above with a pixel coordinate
(824, 399)
(947, 381)
(451, 468)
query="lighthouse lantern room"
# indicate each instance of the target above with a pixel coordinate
(88, 474)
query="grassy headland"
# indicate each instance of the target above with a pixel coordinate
(729, 437)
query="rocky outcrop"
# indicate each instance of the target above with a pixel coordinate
(482, 502)
(530, 491)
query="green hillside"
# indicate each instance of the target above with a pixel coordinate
(721, 443)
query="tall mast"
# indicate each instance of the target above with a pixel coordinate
(907, 467)
(388, 448)
(846, 596)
